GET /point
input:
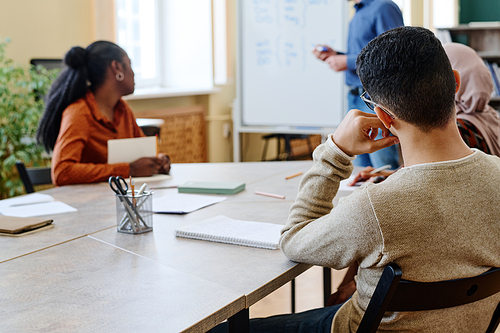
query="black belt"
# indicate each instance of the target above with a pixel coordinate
(357, 91)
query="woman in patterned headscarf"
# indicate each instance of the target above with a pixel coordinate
(478, 122)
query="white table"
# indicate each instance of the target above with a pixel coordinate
(89, 286)
(83, 275)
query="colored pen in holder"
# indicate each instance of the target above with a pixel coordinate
(134, 213)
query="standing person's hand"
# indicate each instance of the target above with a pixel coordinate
(145, 167)
(357, 132)
(323, 55)
(337, 62)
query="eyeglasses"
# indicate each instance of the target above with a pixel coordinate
(371, 104)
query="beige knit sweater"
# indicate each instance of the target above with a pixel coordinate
(437, 221)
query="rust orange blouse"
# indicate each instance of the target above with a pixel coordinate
(81, 151)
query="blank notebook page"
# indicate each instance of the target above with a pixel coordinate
(226, 230)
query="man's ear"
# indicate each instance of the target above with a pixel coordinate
(457, 79)
(384, 117)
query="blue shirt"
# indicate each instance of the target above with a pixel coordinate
(372, 18)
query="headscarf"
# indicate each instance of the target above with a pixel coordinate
(474, 94)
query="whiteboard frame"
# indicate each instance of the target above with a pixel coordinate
(237, 108)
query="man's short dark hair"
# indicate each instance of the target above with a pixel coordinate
(407, 71)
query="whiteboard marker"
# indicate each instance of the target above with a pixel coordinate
(321, 48)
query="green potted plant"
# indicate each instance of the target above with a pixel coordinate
(20, 110)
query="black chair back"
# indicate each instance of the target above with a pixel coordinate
(151, 130)
(394, 294)
(33, 176)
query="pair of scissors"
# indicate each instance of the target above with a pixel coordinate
(118, 185)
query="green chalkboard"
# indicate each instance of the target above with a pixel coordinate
(479, 11)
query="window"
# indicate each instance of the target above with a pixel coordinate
(405, 6)
(220, 42)
(445, 13)
(432, 14)
(168, 41)
(136, 33)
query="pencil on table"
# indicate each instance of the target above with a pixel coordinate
(270, 195)
(294, 175)
(132, 188)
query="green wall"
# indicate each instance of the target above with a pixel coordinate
(479, 10)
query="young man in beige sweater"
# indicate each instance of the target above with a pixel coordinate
(438, 218)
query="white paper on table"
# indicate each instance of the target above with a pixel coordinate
(174, 202)
(32, 198)
(130, 150)
(344, 187)
(44, 208)
(154, 178)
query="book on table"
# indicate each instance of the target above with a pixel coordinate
(211, 187)
(223, 229)
(15, 226)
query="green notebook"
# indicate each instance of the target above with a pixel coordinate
(211, 187)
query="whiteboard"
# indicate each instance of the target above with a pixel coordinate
(280, 81)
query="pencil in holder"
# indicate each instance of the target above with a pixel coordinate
(134, 214)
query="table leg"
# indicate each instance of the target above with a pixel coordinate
(238, 323)
(327, 284)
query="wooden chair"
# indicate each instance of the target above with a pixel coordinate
(287, 138)
(33, 176)
(394, 294)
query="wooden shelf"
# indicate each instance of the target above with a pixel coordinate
(466, 27)
(482, 39)
(485, 39)
(489, 54)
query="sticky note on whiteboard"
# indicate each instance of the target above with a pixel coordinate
(130, 150)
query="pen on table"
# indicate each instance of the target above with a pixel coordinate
(270, 195)
(321, 48)
(382, 168)
(294, 175)
(141, 190)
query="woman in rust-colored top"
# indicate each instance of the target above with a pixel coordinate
(84, 110)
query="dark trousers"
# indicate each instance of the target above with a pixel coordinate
(316, 320)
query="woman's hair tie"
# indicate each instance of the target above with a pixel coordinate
(76, 57)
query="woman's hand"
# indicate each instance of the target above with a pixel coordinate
(145, 167)
(165, 165)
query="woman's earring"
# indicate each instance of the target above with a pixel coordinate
(120, 76)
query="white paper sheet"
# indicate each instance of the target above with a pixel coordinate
(130, 150)
(32, 198)
(173, 202)
(45, 208)
(152, 179)
(344, 187)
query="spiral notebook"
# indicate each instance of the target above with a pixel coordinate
(223, 229)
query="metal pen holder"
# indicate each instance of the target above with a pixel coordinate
(134, 214)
